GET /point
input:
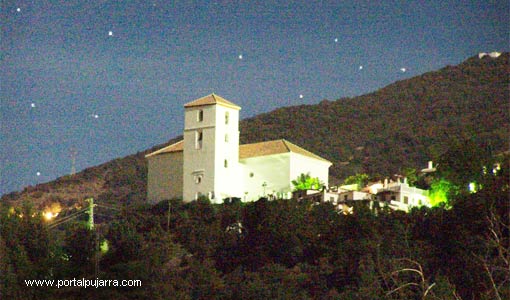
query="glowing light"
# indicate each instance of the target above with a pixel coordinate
(336, 40)
(240, 56)
(38, 173)
(110, 33)
(301, 96)
(472, 187)
(361, 67)
(18, 9)
(403, 70)
(96, 116)
(48, 215)
(496, 168)
(32, 105)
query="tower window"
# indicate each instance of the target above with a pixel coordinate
(226, 117)
(225, 163)
(198, 139)
(226, 137)
(200, 116)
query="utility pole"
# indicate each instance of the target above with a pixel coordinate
(168, 217)
(91, 213)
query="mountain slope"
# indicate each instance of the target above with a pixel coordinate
(402, 125)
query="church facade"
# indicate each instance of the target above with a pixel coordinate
(210, 162)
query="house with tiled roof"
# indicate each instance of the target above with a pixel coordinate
(210, 162)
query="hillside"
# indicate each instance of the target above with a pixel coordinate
(402, 125)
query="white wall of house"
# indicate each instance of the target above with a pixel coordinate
(412, 196)
(164, 178)
(270, 169)
(301, 164)
(345, 195)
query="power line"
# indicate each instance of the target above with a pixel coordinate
(66, 218)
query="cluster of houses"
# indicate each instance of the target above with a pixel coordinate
(397, 195)
(210, 162)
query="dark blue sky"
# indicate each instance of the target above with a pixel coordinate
(66, 82)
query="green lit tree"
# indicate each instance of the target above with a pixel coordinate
(307, 182)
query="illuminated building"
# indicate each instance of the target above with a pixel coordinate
(209, 161)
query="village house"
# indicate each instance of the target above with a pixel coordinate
(209, 162)
(397, 195)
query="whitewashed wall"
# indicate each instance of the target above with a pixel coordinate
(300, 164)
(199, 161)
(272, 169)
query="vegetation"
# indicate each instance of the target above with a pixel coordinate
(306, 182)
(279, 249)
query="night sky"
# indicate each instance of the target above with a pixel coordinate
(109, 78)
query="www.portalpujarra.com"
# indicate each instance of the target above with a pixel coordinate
(82, 282)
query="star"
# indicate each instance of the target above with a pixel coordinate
(361, 67)
(403, 70)
(38, 173)
(336, 40)
(110, 33)
(95, 116)
(240, 56)
(301, 96)
(32, 105)
(18, 9)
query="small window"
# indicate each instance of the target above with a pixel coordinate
(198, 139)
(225, 163)
(226, 117)
(200, 116)
(226, 137)
(198, 179)
(406, 199)
(393, 198)
(345, 197)
(251, 174)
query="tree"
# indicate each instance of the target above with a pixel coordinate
(306, 182)
(360, 179)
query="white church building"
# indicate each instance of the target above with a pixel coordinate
(210, 162)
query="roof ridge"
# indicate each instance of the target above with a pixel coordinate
(285, 144)
(165, 149)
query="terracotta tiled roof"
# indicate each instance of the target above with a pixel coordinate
(274, 147)
(210, 100)
(252, 150)
(177, 147)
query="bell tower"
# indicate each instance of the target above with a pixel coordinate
(211, 149)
